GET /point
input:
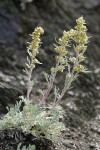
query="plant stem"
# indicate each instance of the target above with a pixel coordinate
(67, 85)
(29, 83)
(50, 85)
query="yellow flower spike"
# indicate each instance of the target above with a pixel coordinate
(34, 45)
(80, 35)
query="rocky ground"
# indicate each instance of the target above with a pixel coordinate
(82, 103)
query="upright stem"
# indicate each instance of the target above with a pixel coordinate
(50, 85)
(67, 85)
(29, 83)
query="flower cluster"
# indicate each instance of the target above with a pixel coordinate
(62, 51)
(78, 35)
(34, 45)
(81, 39)
(81, 29)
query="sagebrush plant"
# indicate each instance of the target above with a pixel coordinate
(39, 119)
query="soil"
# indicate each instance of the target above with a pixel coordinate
(10, 139)
(82, 102)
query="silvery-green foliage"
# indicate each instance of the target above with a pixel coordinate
(35, 120)
(47, 76)
(41, 91)
(13, 118)
(40, 124)
(56, 93)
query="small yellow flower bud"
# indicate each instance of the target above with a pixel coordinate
(61, 50)
(61, 68)
(57, 58)
(79, 68)
(80, 21)
(72, 33)
(81, 58)
(38, 31)
(36, 61)
(63, 41)
(41, 30)
(62, 60)
(73, 59)
(32, 66)
(80, 48)
(63, 53)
